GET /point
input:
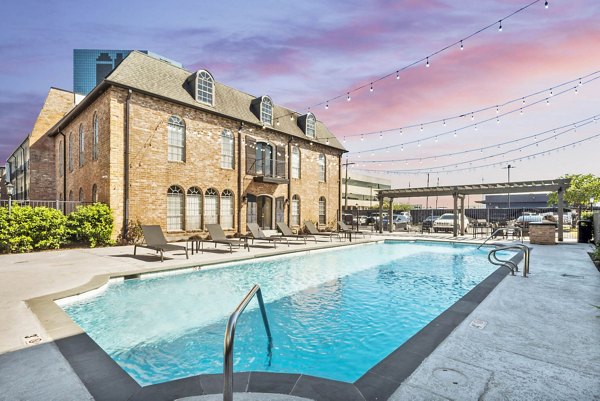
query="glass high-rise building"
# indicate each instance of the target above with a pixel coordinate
(91, 66)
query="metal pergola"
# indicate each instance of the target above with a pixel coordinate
(460, 191)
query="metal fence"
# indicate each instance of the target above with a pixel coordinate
(64, 206)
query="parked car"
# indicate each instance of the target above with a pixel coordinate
(374, 217)
(407, 215)
(348, 218)
(428, 222)
(446, 223)
(400, 222)
(362, 219)
(524, 220)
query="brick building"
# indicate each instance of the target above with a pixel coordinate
(167, 146)
(30, 168)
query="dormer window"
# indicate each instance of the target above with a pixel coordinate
(266, 110)
(205, 87)
(311, 125)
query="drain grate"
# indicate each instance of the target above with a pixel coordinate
(32, 339)
(478, 324)
(571, 275)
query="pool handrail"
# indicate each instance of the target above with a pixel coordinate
(230, 335)
(498, 230)
(499, 262)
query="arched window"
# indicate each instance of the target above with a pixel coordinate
(176, 139)
(311, 125)
(295, 211)
(264, 159)
(227, 209)
(266, 110)
(205, 88)
(174, 208)
(81, 145)
(322, 210)
(61, 156)
(211, 206)
(95, 138)
(322, 169)
(295, 162)
(94, 193)
(193, 209)
(80, 194)
(71, 152)
(227, 149)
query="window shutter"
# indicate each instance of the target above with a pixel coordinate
(250, 155)
(280, 161)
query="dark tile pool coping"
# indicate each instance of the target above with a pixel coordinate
(106, 380)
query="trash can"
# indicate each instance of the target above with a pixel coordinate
(584, 231)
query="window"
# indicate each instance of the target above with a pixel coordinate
(205, 88)
(94, 193)
(295, 162)
(322, 170)
(311, 125)
(295, 210)
(227, 209)
(81, 145)
(95, 128)
(71, 152)
(176, 139)
(322, 209)
(211, 206)
(266, 110)
(174, 209)
(80, 194)
(252, 211)
(227, 149)
(71, 195)
(193, 209)
(61, 156)
(264, 159)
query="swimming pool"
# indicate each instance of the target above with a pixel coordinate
(333, 314)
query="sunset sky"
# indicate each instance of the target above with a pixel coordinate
(305, 53)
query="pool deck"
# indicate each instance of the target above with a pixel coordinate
(531, 338)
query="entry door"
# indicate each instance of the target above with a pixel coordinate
(265, 212)
(279, 211)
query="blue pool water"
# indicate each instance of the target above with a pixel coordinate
(333, 314)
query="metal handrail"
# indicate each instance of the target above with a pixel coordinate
(499, 262)
(500, 229)
(230, 334)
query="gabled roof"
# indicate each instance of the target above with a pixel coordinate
(148, 75)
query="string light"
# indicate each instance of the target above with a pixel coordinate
(362, 137)
(461, 45)
(371, 90)
(380, 135)
(521, 111)
(427, 64)
(348, 99)
(546, 4)
(327, 106)
(444, 123)
(397, 74)
(500, 26)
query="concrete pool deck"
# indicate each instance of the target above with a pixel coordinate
(540, 336)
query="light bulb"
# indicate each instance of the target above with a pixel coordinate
(402, 148)
(444, 123)
(419, 144)
(371, 88)
(327, 141)
(326, 105)
(523, 100)
(500, 26)
(547, 102)
(348, 99)
(551, 94)
(397, 74)
(362, 137)
(497, 109)
(344, 139)
(436, 139)
(291, 117)
(421, 127)
(427, 64)
(498, 120)
(278, 122)
(461, 46)
(580, 83)
(475, 127)
(521, 111)
(400, 131)
(380, 135)
(546, 4)
(576, 91)
(455, 134)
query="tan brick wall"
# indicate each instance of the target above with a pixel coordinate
(543, 234)
(151, 174)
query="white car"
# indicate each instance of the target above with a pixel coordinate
(446, 223)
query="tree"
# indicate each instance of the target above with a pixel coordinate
(583, 187)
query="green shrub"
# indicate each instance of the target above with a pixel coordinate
(92, 224)
(30, 228)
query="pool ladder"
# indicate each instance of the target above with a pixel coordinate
(230, 335)
(512, 266)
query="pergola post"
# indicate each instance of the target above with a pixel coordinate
(380, 214)
(462, 215)
(391, 218)
(455, 226)
(561, 205)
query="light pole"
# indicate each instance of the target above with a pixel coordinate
(508, 170)
(9, 190)
(346, 185)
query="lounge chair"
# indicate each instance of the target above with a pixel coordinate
(155, 239)
(348, 230)
(314, 231)
(257, 233)
(218, 237)
(287, 232)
